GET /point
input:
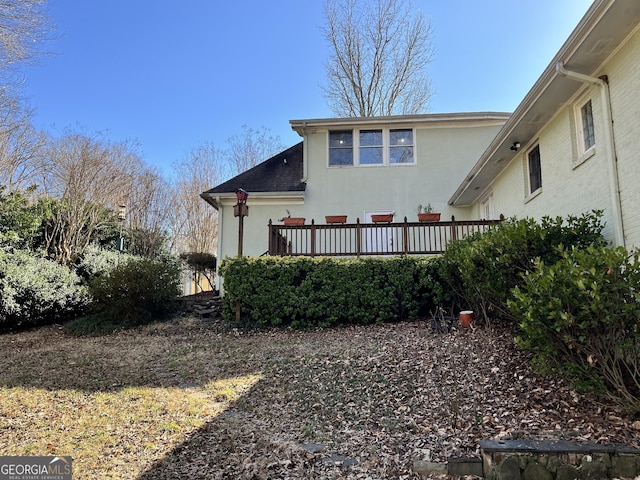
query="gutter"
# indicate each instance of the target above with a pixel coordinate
(610, 145)
(305, 152)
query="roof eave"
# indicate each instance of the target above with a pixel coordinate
(216, 200)
(303, 126)
(543, 101)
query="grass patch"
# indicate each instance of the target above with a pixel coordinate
(114, 404)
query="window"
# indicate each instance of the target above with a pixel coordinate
(535, 172)
(341, 148)
(401, 146)
(588, 137)
(371, 147)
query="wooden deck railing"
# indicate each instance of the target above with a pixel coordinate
(355, 239)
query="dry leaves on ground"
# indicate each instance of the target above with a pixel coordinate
(191, 399)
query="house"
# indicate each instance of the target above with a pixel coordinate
(567, 149)
(569, 146)
(356, 167)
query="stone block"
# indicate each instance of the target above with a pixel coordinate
(593, 470)
(567, 472)
(624, 466)
(509, 469)
(535, 471)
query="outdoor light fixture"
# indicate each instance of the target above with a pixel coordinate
(516, 146)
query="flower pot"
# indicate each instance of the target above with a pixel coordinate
(428, 217)
(294, 221)
(386, 218)
(335, 218)
(466, 317)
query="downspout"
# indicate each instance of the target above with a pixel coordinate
(305, 152)
(610, 145)
(219, 252)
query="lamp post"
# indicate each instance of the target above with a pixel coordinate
(122, 216)
(241, 210)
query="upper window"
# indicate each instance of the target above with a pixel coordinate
(585, 145)
(586, 131)
(401, 146)
(535, 172)
(341, 147)
(371, 147)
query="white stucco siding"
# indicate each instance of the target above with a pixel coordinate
(623, 71)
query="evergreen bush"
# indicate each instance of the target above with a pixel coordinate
(481, 270)
(581, 316)
(307, 292)
(35, 290)
(137, 291)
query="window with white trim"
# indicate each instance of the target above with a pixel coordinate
(534, 169)
(585, 129)
(371, 147)
(341, 148)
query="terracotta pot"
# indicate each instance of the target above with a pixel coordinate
(466, 318)
(429, 217)
(294, 221)
(386, 218)
(335, 218)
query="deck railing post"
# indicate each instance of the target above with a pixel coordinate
(405, 237)
(454, 229)
(358, 237)
(313, 237)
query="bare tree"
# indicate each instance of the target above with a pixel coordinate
(379, 53)
(25, 27)
(89, 177)
(20, 149)
(251, 147)
(148, 211)
(194, 222)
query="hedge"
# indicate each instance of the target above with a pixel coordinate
(307, 292)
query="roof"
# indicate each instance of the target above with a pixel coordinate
(602, 29)
(281, 173)
(428, 119)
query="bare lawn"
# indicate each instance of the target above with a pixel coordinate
(191, 399)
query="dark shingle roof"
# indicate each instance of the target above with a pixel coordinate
(281, 173)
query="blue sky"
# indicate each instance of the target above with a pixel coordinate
(173, 75)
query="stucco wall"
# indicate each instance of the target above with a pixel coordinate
(444, 156)
(570, 187)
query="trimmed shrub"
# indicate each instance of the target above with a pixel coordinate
(581, 316)
(36, 291)
(137, 291)
(306, 292)
(480, 270)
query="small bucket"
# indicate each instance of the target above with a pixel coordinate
(466, 317)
